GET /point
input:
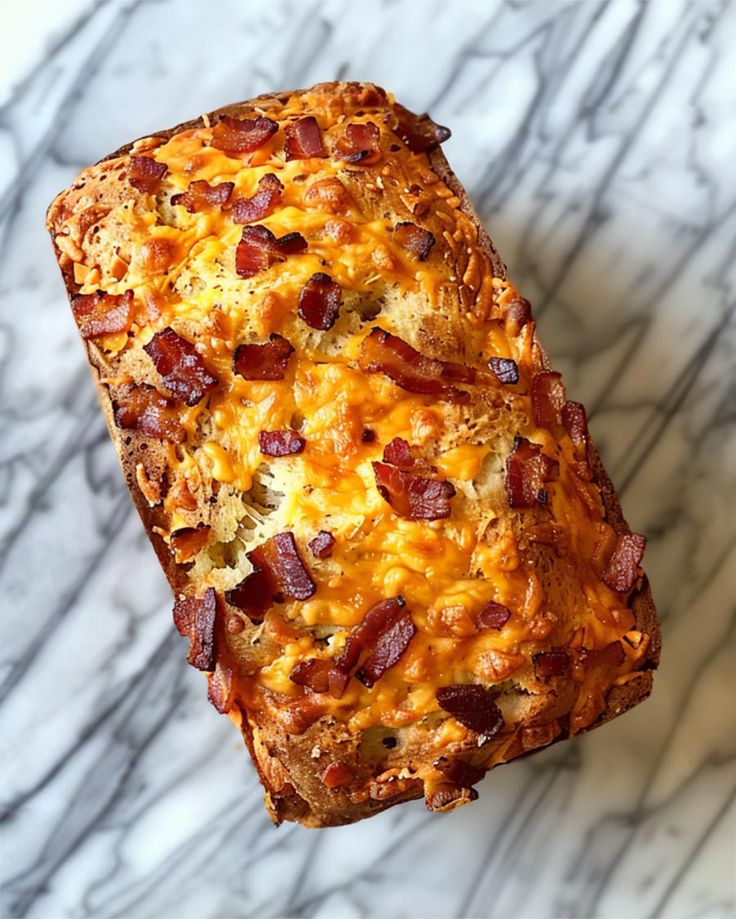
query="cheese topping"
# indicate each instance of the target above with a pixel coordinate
(539, 562)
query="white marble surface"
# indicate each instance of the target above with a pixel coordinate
(598, 142)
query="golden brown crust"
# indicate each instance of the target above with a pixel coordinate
(290, 760)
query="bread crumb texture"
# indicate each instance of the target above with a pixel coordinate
(390, 549)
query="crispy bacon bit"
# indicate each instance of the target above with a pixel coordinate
(379, 619)
(518, 313)
(319, 301)
(235, 136)
(551, 663)
(492, 616)
(390, 646)
(413, 496)
(220, 688)
(195, 619)
(419, 132)
(313, 673)
(360, 144)
(303, 139)
(576, 425)
(527, 471)
(398, 453)
(188, 541)
(258, 249)
(281, 555)
(320, 676)
(473, 706)
(622, 569)
(201, 196)
(414, 239)
(446, 796)
(261, 204)
(180, 365)
(337, 775)
(146, 173)
(101, 313)
(330, 195)
(505, 369)
(548, 398)
(143, 408)
(609, 658)
(281, 443)
(322, 544)
(382, 352)
(263, 362)
(459, 772)
(385, 633)
(278, 574)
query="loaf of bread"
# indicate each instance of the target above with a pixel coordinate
(393, 547)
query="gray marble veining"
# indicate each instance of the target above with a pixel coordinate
(597, 141)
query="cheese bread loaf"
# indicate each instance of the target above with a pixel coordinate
(393, 547)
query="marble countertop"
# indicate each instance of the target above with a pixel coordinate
(597, 140)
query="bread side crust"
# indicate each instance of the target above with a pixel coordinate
(282, 760)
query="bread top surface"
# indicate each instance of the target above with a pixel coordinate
(254, 381)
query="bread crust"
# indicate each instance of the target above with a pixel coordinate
(285, 760)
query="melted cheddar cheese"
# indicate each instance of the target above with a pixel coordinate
(538, 562)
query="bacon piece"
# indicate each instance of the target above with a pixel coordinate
(201, 196)
(303, 139)
(548, 398)
(195, 619)
(278, 574)
(319, 301)
(337, 775)
(281, 443)
(527, 471)
(622, 569)
(414, 239)
(255, 594)
(459, 772)
(518, 313)
(281, 556)
(382, 352)
(576, 424)
(360, 144)
(607, 659)
(235, 136)
(419, 132)
(376, 634)
(379, 619)
(258, 249)
(446, 796)
(492, 616)
(505, 369)
(388, 650)
(180, 365)
(320, 676)
(473, 706)
(188, 541)
(412, 496)
(101, 313)
(322, 544)
(220, 688)
(263, 362)
(551, 663)
(145, 173)
(398, 453)
(261, 204)
(143, 408)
